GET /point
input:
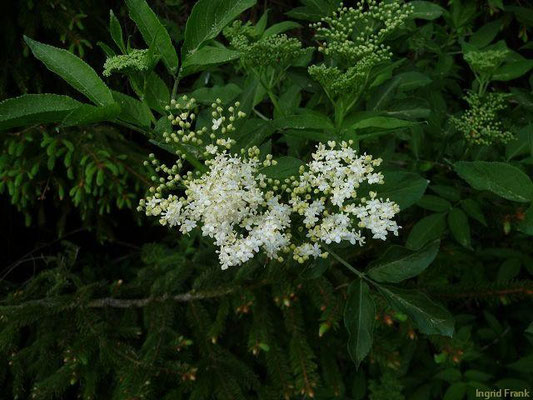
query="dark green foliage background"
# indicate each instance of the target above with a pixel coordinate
(183, 329)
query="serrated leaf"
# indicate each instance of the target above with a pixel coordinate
(486, 34)
(473, 210)
(430, 317)
(500, 178)
(426, 10)
(285, 168)
(35, 109)
(359, 317)
(404, 188)
(512, 70)
(133, 110)
(522, 145)
(399, 263)
(281, 27)
(456, 391)
(207, 56)
(207, 19)
(315, 269)
(526, 224)
(306, 120)
(73, 70)
(157, 95)
(89, 114)
(382, 123)
(116, 32)
(208, 95)
(459, 227)
(427, 229)
(434, 203)
(154, 33)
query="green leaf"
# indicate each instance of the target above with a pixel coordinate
(73, 70)
(207, 19)
(154, 33)
(285, 168)
(426, 10)
(207, 56)
(262, 23)
(427, 229)
(486, 34)
(133, 110)
(89, 114)
(307, 120)
(430, 317)
(399, 263)
(512, 70)
(404, 188)
(281, 27)
(500, 178)
(522, 145)
(472, 208)
(459, 227)
(116, 32)
(208, 95)
(509, 270)
(434, 203)
(448, 192)
(412, 80)
(456, 391)
(313, 10)
(35, 109)
(402, 82)
(253, 132)
(157, 95)
(359, 317)
(382, 123)
(526, 225)
(315, 269)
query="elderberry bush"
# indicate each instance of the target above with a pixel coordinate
(229, 199)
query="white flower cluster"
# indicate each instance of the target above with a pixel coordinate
(244, 212)
(230, 204)
(326, 195)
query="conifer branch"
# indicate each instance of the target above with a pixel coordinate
(138, 303)
(111, 302)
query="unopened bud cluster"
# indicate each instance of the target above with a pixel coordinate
(353, 33)
(136, 60)
(270, 51)
(486, 62)
(480, 123)
(354, 37)
(210, 139)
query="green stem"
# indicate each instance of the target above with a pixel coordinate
(175, 88)
(345, 263)
(187, 155)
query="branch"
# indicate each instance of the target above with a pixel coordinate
(138, 303)
(112, 302)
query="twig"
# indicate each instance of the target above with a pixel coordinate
(138, 303)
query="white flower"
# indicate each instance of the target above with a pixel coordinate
(171, 215)
(216, 123)
(211, 149)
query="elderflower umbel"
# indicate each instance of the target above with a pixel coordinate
(334, 176)
(244, 212)
(480, 123)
